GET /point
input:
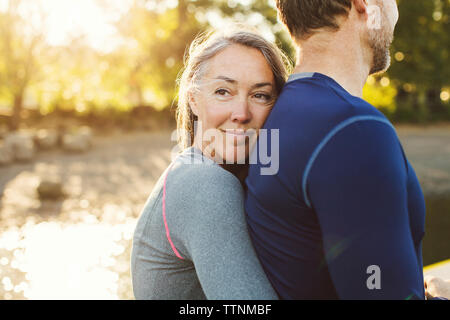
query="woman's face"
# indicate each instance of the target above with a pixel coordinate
(232, 101)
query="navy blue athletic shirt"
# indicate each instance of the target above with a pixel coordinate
(345, 211)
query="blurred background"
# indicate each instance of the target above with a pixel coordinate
(87, 97)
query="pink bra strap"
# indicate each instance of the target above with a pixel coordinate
(164, 216)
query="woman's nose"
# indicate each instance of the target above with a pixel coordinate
(241, 111)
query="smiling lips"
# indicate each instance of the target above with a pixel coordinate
(238, 136)
(236, 132)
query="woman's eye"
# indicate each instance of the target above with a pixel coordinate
(263, 97)
(222, 92)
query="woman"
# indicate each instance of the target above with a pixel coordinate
(191, 241)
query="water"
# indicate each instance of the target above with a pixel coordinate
(53, 260)
(79, 247)
(436, 243)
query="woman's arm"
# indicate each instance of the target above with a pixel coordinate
(211, 231)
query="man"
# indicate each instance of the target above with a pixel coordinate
(344, 215)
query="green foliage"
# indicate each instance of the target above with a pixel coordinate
(21, 45)
(422, 37)
(381, 94)
(162, 38)
(421, 51)
(154, 36)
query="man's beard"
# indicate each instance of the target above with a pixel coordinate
(379, 41)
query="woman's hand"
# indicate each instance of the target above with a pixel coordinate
(436, 287)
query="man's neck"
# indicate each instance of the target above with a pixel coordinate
(338, 56)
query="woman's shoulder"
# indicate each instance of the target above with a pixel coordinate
(202, 194)
(201, 187)
(193, 169)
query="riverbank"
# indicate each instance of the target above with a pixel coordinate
(79, 247)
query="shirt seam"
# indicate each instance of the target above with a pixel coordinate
(324, 141)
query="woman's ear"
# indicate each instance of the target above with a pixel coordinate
(192, 102)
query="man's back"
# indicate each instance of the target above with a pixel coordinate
(344, 204)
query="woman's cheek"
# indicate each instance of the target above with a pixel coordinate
(216, 115)
(260, 117)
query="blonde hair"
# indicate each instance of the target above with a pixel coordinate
(205, 47)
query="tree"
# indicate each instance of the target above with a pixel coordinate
(162, 34)
(21, 41)
(421, 52)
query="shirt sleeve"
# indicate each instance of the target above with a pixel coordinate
(216, 240)
(358, 188)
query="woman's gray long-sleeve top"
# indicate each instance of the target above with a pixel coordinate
(198, 247)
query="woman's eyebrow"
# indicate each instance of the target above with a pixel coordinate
(226, 79)
(257, 85)
(262, 84)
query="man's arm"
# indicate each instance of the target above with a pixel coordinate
(358, 187)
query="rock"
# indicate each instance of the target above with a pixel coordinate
(3, 130)
(50, 189)
(46, 139)
(86, 132)
(73, 143)
(80, 141)
(6, 154)
(22, 145)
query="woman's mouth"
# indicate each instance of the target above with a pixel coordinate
(239, 136)
(234, 132)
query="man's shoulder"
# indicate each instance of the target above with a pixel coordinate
(311, 107)
(322, 95)
(310, 120)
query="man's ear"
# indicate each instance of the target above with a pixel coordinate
(361, 6)
(192, 102)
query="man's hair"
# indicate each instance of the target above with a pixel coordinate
(303, 17)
